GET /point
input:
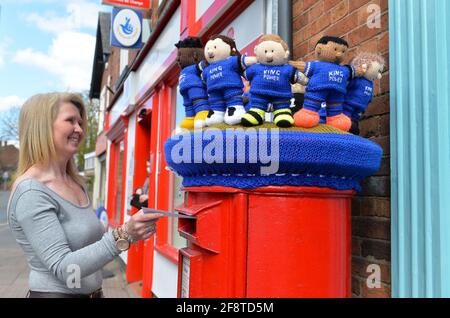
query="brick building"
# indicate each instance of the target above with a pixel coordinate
(9, 157)
(371, 209)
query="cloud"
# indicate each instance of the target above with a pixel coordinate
(9, 102)
(80, 15)
(69, 57)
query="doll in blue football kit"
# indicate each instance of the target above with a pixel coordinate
(191, 85)
(360, 90)
(298, 92)
(271, 80)
(222, 74)
(328, 81)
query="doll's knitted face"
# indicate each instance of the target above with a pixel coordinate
(374, 71)
(188, 56)
(271, 53)
(217, 50)
(331, 52)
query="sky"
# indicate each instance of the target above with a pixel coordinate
(46, 46)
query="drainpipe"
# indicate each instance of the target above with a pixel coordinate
(282, 20)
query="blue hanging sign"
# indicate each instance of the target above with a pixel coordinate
(126, 28)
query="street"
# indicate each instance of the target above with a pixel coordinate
(14, 269)
(13, 265)
(4, 195)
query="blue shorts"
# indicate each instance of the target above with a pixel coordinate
(220, 99)
(314, 100)
(195, 100)
(262, 101)
(354, 110)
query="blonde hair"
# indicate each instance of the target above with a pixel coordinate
(367, 58)
(274, 38)
(36, 130)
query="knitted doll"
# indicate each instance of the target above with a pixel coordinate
(223, 80)
(360, 90)
(298, 90)
(328, 83)
(192, 88)
(271, 80)
(298, 95)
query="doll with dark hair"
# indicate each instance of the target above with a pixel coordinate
(222, 74)
(327, 84)
(298, 92)
(191, 85)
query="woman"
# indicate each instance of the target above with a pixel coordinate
(49, 211)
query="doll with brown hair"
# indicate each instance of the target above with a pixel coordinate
(271, 80)
(327, 84)
(360, 90)
(222, 74)
(191, 85)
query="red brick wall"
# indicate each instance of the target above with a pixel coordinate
(111, 70)
(371, 208)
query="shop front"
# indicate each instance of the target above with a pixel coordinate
(148, 112)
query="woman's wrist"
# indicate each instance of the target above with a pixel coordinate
(126, 234)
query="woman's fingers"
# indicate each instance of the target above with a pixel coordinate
(150, 228)
(144, 225)
(147, 236)
(145, 217)
(141, 226)
(146, 228)
(149, 232)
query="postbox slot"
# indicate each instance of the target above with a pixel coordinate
(204, 230)
(187, 229)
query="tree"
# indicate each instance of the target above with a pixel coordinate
(90, 135)
(9, 124)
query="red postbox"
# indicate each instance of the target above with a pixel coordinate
(284, 234)
(299, 245)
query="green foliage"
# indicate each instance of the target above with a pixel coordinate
(90, 135)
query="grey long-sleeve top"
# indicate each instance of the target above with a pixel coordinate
(60, 240)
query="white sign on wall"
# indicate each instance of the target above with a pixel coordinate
(151, 70)
(126, 28)
(185, 277)
(248, 26)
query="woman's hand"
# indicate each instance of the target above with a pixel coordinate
(141, 226)
(142, 198)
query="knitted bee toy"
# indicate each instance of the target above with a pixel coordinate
(192, 88)
(222, 74)
(360, 90)
(328, 83)
(271, 80)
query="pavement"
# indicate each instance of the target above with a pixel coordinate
(14, 268)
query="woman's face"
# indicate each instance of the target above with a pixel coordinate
(67, 131)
